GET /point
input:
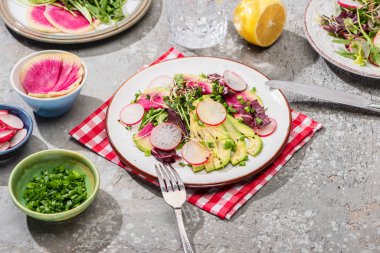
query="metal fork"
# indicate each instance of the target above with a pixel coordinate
(174, 192)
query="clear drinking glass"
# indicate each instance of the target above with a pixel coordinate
(197, 23)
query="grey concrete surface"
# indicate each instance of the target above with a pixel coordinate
(326, 199)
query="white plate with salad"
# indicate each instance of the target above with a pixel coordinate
(71, 21)
(214, 119)
(346, 33)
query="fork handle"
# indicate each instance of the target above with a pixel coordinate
(185, 240)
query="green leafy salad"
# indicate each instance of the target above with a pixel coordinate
(356, 27)
(209, 121)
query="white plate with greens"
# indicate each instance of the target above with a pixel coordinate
(48, 26)
(333, 48)
(121, 139)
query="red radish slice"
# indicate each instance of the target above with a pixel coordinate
(18, 137)
(6, 135)
(4, 112)
(349, 4)
(211, 113)
(234, 81)
(166, 136)
(267, 130)
(162, 81)
(132, 114)
(12, 121)
(194, 153)
(5, 146)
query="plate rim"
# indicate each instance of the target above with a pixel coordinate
(326, 56)
(18, 28)
(202, 185)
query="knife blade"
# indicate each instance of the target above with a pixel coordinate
(334, 96)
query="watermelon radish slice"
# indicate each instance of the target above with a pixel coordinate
(211, 113)
(349, 4)
(6, 135)
(38, 21)
(4, 112)
(166, 136)
(205, 86)
(51, 75)
(132, 114)
(162, 81)
(66, 22)
(41, 73)
(5, 146)
(153, 98)
(194, 153)
(18, 137)
(267, 130)
(71, 65)
(11, 121)
(234, 81)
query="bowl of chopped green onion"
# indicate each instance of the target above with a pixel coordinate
(54, 185)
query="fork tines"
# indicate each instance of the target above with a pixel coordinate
(168, 178)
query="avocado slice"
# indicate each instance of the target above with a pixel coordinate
(198, 168)
(242, 128)
(221, 136)
(240, 152)
(255, 145)
(143, 143)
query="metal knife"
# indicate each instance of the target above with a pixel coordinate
(334, 96)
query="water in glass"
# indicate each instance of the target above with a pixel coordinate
(197, 23)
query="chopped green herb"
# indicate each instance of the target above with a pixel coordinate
(181, 164)
(242, 163)
(259, 121)
(55, 190)
(210, 144)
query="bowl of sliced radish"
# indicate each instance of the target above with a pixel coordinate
(16, 127)
(49, 81)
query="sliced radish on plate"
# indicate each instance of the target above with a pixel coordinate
(18, 137)
(234, 81)
(3, 112)
(267, 130)
(4, 146)
(350, 4)
(132, 114)
(6, 135)
(162, 81)
(166, 136)
(11, 121)
(211, 113)
(194, 153)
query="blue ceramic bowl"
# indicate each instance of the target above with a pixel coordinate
(28, 125)
(46, 107)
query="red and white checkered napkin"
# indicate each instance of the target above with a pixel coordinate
(223, 202)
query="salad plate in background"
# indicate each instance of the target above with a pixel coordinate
(130, 112)
(16, 15)
(334, 31)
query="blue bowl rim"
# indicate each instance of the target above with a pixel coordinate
(30, 131)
